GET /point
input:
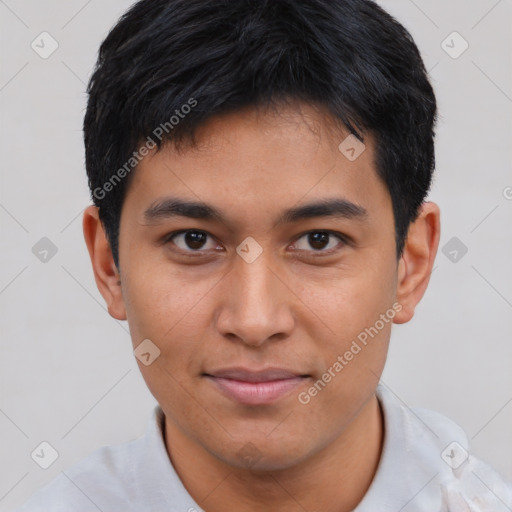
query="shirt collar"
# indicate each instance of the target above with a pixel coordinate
(161, 486)
(409, 467)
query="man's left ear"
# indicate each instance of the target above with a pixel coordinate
(415, 265)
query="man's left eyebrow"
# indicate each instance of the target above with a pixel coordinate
(337, 207)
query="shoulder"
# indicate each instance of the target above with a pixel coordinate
(441, 446)
(102, 479)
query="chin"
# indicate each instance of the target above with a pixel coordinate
(265, 456)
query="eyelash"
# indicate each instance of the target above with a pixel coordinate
(319, 253)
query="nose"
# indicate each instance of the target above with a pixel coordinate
(258, 304)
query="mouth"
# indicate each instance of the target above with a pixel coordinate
(251, 387)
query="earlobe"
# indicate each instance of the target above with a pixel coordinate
(105, 271)
(417, 261)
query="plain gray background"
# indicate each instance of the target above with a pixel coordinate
(67, 372)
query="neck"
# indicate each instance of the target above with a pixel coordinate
(335, 479)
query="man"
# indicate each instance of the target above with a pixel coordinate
(259, 173)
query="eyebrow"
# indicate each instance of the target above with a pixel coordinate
(170, 207)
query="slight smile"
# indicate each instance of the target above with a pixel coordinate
(255, 387)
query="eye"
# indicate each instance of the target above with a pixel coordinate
(320, 241)
(191, 240)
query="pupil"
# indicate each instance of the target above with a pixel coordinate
(194, 239)
(319, 238)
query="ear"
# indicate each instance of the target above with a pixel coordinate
(106, 273)
(415, 265)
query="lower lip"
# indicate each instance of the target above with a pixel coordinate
(256, 393)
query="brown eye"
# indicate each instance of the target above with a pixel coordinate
(318, 241)
(191, 240)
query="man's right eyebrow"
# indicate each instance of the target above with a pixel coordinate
(173, 207)
(329, 207)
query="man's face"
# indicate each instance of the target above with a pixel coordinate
(221, 312)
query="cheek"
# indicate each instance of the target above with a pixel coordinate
(352, 337)
(352, 351)
(165, 306)
(352, 303)
(171, 319)
(168, 319)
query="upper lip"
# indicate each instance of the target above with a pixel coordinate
(246, 375)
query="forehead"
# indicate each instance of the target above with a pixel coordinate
(259, 161)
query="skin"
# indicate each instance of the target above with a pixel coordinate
(285, 309)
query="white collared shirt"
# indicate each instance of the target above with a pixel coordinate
(424, 467)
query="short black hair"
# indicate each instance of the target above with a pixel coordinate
(169, 65)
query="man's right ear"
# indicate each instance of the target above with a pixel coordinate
(105, 271)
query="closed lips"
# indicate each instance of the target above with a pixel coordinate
(255, 387)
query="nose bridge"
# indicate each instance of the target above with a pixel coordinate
(256, 307)
(255, 282)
